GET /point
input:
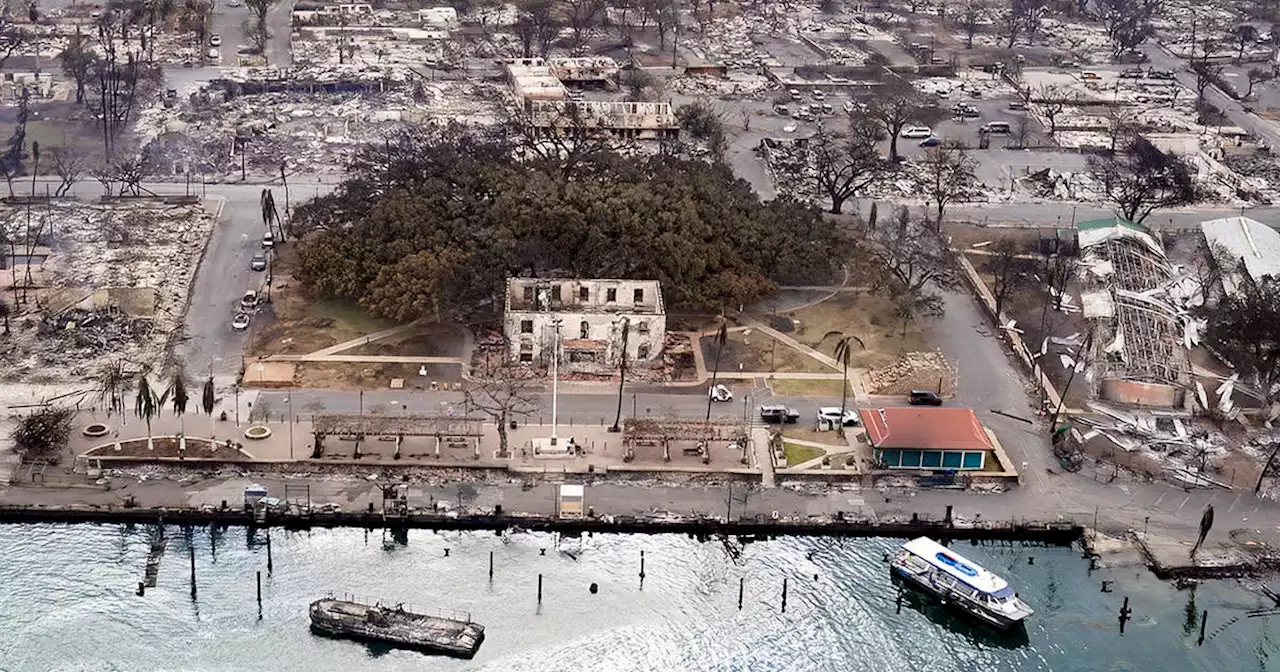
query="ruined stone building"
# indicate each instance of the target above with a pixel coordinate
(591, 315)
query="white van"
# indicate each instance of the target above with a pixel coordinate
(997, 128)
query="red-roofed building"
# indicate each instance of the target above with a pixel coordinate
(926, 437)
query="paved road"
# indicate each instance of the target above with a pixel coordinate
(592, 408)
(1163, 60)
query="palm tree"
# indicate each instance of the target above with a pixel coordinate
(844, 350)
(148, 403)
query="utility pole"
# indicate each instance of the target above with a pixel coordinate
(555, 380)
(622, 373)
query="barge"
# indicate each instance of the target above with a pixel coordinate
(397, 626)
(953, 580)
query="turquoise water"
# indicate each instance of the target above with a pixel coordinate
(67, 600)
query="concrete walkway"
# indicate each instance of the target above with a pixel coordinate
(363, 359)
(363, 340)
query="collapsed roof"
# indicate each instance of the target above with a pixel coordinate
(1134, 304)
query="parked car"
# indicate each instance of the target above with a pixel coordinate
(818, 94)
(250, 300)
(215, 40)
(827, 108)
(781, 110)
(779, 414)
(1131, 73)
(795, 94)
(1160, 74)
(268, 240)
(233, 3)
(830, 416)
(917, 132)
(789, 128)
(240, 322)
(997, 127)
(720, 393)
(259, 262)
(965, 111)
(924, 398)
(931, 141)
(1018, 106)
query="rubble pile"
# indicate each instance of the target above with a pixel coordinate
(318, 132)
(913, 371)
(80, 335)
(115, 285)
(736, 84)
(1174, 440)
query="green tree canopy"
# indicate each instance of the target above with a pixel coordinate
(433, 224)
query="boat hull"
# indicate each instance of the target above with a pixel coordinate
(330, 632)
(921, 585)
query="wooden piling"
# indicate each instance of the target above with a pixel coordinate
(259, 594)
(191, 552)
(270, 562)
(784, 596)
(1204, 620)
(642, 565)
(539, 589)
(741, 583)
(490, 565)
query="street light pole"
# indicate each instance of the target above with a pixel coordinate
(622, 373)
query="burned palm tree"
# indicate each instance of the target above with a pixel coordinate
(844, 351)
(206, 403)
(177, 391)
(111, 382)
(148, 402)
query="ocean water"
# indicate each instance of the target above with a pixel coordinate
(68, 602)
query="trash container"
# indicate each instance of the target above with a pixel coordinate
(514, 424)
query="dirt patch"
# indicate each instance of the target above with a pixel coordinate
(296, 324)
(427, 340)
(829, 389)
(872, 319)
(965, 236)
(167, 447)
(755, 351)
(364, 376)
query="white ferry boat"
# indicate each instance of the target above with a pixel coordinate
(934, 569)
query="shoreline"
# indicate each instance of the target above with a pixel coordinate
(1055, 534)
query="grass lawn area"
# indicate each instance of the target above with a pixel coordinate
(871, 318)
(807, 388)
(797, 454)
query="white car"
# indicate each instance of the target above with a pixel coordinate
(789, 128)
(918, 132)
(721, 393)
(215, 40)
(240, 322)
(250, 300)
(233, 3)
(829, 416)
(818, 94)
(268, 240)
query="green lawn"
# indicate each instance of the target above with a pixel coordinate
(797, 454)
